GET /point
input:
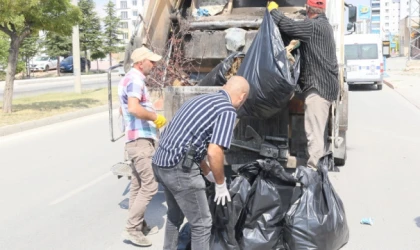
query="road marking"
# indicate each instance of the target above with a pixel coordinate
(80, 189)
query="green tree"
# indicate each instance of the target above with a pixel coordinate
(20, 18)
(4, 50)
(58, 45)
(28, 50)
(90, 28)
(112, 44)
(96, 55)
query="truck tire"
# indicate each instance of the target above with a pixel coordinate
(379, 86)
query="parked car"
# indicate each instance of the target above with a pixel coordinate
(44, 63)
(67, 64)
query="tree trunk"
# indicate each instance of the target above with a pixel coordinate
(97, 65)
(110, 60)
(10, 74)
(86, 63)
(58, 65)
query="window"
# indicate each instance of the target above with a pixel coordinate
(386, 24)
(361, 51)
(125, 35)
(386, 18)
(124, 15)
(134, 3)
(386, 4)
(123, 4)
(135, 13)
(386, 11)
(124, 25)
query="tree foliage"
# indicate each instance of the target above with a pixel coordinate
(89, 27)
(20, 18)
(112, 42)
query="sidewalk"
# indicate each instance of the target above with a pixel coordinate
(406, 83)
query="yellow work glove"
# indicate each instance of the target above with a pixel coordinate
(272, 5)
(160, 121)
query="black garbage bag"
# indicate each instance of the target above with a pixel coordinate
(268, 71)
(317, 219)
(269, 200)
(184, 237)
(217, 77)
(226, 217)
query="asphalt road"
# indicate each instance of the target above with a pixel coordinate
(57, 192)
(32, 87)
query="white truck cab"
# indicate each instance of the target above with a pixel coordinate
(364, 63)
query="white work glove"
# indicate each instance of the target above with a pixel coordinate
(221, 194)
(210, 177)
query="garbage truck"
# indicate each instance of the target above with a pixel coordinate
(204, 43)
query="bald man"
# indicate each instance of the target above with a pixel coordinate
(202, 126)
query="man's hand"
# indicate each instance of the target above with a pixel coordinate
(221, 194)
(272, 5)
(160, 121)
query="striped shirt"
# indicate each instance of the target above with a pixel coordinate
(133, 85)
(319, 68)
(208, 118)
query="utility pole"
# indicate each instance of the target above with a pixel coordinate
(76, 57)
(414, 29)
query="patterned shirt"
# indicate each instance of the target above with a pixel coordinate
(319, 67)
(133, 85)
(208, 118)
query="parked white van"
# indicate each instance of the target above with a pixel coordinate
(364, 60)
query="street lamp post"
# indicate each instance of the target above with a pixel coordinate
(76, 57)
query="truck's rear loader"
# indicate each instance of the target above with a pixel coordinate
(282, 136)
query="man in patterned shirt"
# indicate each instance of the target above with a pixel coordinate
(141, 126)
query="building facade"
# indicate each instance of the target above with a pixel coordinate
(128, 11)
(386, 16)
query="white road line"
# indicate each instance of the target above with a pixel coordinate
(80, 189)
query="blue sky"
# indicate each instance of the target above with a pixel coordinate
(100, 4)
(357, 2)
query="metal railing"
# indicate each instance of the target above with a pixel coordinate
(110, 109)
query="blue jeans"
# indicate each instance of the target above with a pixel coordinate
(186, 197)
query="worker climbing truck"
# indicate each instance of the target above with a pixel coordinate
(206, 43)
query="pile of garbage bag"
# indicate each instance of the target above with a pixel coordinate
(274, 209)
(267, 67)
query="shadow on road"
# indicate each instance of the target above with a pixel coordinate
(51, 105)
(417, 220)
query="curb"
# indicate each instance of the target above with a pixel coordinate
(389, 84)
(11, 129)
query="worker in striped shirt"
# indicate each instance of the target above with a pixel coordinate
(202, 127)
(319, 70)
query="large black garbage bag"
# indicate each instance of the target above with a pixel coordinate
(217, 77)
(268, 71)
(226, 217)
(317, 219)
(269, 200)
(184, 237)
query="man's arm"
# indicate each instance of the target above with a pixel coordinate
(216, 158)
(138, 111)
(301, 30)
(204, 167)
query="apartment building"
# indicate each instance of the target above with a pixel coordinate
(385, 17)
(128, 11)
